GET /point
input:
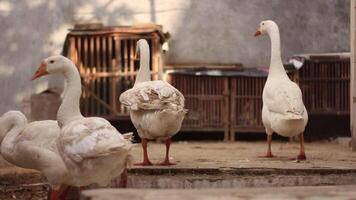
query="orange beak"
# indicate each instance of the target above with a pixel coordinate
(41, 71)
(257, 33)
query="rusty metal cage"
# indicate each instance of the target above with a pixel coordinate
(106, 62)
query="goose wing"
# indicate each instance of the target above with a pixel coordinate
(284, 98)
(152, 95)
(91, 138)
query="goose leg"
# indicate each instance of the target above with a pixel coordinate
(54, 194)
(146, 161)
(166, 161)
(123, 179)
(65, 192)
(58, 193)
(269, 149)
(301, 155)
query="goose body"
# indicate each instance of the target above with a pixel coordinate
(156, 107)
(33, 146)
(91, 148)
(283, 110)
(93, 151)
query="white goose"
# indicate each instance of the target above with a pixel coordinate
(33, 146)
(91, 148)
(283, 110)
(156, 107)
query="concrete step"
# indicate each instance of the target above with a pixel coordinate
(275, 193)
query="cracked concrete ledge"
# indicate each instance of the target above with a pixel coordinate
(235, 171)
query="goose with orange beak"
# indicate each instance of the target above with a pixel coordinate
(283, 110)
(41, 71)
(91, 148)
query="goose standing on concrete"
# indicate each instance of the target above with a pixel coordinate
(156, 107)
(283, 110)
(33, 146)
(91, 148)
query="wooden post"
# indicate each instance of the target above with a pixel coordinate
(352, 78)
(226, 94)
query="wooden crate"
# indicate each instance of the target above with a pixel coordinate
(207, 101)
(246, 104)
(325, 85)
(246, 101)
(105, 57)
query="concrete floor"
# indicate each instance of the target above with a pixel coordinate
(320, 155)
(236, 156)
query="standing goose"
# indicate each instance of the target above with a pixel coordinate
(283, 110)
(91, 148)
(156, 107)
(33, 146)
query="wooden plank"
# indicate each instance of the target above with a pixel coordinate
(155, 57)
(72, 51)
(121, 108)
(132, 59)
(85, 68)
(113, 111)
(112, 67)
(233, 102)
(98, 90)
(93, 108)
(226, 93)
(105, 70)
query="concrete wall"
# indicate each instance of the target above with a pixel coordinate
(202, 31)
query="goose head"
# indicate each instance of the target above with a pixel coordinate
(53, 65)
(266, 27)
(141, 45)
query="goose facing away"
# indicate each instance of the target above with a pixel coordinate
(156, 107)
(283, 109)
(91, 148)
(33, 146)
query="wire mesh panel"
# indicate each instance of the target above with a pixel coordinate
(106, 62)
(207, 102)
(326, 86)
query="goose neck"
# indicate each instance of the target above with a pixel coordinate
(11, 127)
(69, 109)
(144, 73)
(276, 65)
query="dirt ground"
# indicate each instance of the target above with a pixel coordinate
(17, 183)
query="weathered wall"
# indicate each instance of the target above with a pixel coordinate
(202, 31)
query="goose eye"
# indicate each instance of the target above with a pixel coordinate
(263, 23)
(51, 61)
